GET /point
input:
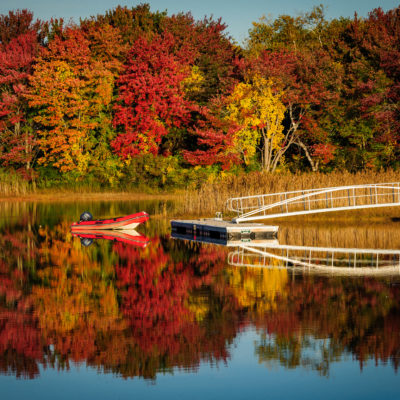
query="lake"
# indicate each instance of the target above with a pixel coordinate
(315, 313)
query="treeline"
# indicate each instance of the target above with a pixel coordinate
(135, 97)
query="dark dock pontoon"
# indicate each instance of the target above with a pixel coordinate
(221, 231)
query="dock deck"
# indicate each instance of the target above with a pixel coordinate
(219, 230)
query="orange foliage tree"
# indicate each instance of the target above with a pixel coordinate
(71, 92)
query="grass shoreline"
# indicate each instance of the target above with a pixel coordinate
(71, 196)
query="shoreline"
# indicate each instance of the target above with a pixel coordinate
(93, 196)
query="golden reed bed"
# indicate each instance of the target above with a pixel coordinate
(211, 197)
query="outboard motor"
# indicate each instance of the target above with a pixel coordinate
(86, 216)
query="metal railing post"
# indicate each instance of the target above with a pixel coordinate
(287, 210)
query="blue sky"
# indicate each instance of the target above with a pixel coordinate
(237, 14)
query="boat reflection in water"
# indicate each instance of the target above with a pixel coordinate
(126, 236)
(271, 254)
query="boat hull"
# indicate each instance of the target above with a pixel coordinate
(123, 223)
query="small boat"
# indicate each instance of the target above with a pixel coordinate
(128, 236)
(127, 222)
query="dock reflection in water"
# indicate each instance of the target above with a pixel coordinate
(271, 254)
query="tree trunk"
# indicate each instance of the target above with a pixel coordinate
(314, 164)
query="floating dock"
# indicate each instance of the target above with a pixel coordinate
(221, 232)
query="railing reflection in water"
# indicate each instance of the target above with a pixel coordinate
(271, 254)
(328, 259)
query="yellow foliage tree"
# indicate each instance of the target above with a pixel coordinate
(256, 107)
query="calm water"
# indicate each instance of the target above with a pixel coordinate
(177, 319)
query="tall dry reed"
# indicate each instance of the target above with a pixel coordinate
(211, 197)
(12, 185)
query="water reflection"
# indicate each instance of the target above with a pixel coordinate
(127, 236)
(317, 259)
(137, 311)
(335, 260)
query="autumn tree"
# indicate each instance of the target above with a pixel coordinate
(70, 91)
(20, 38)
(256, 107)
(151, 96)
(371, 50)
(106, 45)
(213, 75)
(307, 30)
(18, 23)
(17, 138)
(308, 81)
(108, 49)
(213, 53)
(215, 138)
(298, 52)
(131, 22)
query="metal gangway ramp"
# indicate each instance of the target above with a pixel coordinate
(311, 201)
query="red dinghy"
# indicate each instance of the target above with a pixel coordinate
(127, 222)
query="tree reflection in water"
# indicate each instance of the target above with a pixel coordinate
(138, 312)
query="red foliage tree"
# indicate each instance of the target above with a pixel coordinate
(17, 140)
(368, 51)
(214, 139)
(380, 41)
(151, 96)
(18, 23)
